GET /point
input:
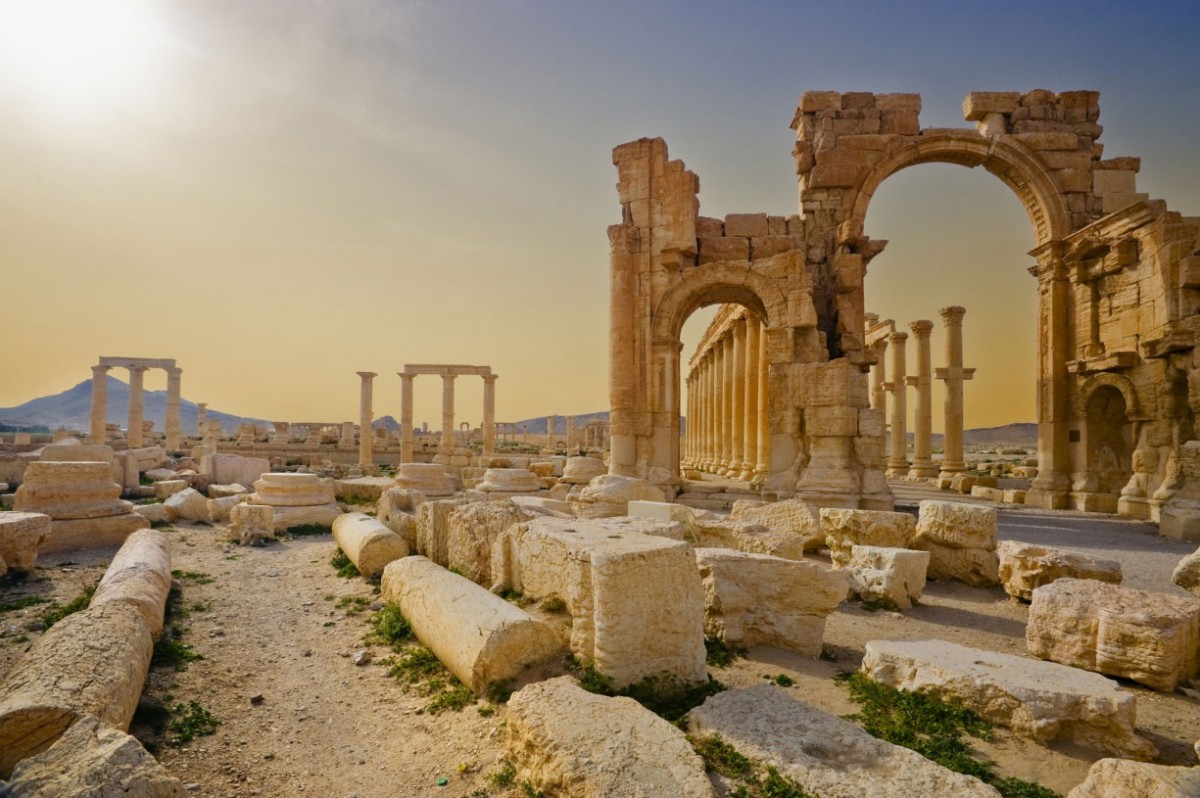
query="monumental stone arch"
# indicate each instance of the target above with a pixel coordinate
(1118, 281)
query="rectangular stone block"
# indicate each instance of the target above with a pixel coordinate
(813, 101)
(833, 422)
(746, 225)
(723, 249)
(979, 104)
(1025, 567)
(898, 102)
(896, 576)
(844, 529)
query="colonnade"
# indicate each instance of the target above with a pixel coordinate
(137, 368)
(448, 375)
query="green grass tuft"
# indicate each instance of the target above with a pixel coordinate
(720, 654)
(665, 695)
(21, 602)
(389, 627)
(191, 720)
(60, 611)
(195, 577)
(344, 566)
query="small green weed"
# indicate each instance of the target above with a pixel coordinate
(720, 654)
(487, 712)
(389, 627)
(60, 611)
(498, 692)
(353, 605)
(554, 604)
(170, 651)
(414, 665)
(665, 695)
(308, 530)
(783, 680)
(455, 698)
(875, 605)
(21, 602)
(163, 524)
(527, 791)
(416, 668)
(344, 566)
(191, 720)
(515, 597)
(504, 777)
(195, 577)
(721, 757)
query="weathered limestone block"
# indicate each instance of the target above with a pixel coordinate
(169, 487)
(227, 469)
(77, 453)
(219, 509)
(844, 529)
(286, 518)
(369, 544)
(1147, 637)
(1187, 573)
(139, 575)
(539, 505)
(187, 505)
(569, 742)
(663, 511)
(887, 574)
(433, 529)
(224, 491)
(478, 636)
(609, 495)
(1025, 566)
(365, 488)
(92, 662)
(582, 470)
(975, 567)
(756, 599)
(1121, 778)
(429, 478)
(83, 533)
(790, 516)
(251, 523)
(636, 602)
(961, 541)
(510, 480)
(157, 475)
(154, 513)
(471, 533)
(292, 490)
(93, 761)
(748, 536)
(1042, 700)
(827, 756)
(70, 490)
(20, 536)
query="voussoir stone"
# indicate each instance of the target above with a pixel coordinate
(827, 756)
(845, 528)
(1121, 778)
(369, 544)
(569, 742)
(1042, 700)
(1025, 566)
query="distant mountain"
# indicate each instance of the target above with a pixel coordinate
(73, 409)
(537, 424)
(1020, 435)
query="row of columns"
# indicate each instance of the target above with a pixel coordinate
(135, 435)
(447, 443)
(895, 390)
(726, 429)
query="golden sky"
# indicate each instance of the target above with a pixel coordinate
(278, 194)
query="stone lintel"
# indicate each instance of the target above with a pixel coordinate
(138, 362)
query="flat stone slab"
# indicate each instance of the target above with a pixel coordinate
(827, 756)
(1120, 778)
(791, 516)
(1042, 700)
(1025, 566)
(567, 741)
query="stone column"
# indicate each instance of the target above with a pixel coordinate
(713, 407)
(737, 403)
(878, 385)
(764, 439)
(954, 374)
(550, 431)
(201, 419)
(448, 412)
(750, 402)
(134, 437)
(897, 463)
(172, 436)
(366, 416)
(489, 413)
(922, 463)
(97, 433)
(724, 367)
(570, 432)
(406, 417)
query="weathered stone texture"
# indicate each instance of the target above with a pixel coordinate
(433, 529)
(791, 516)
(844, 529)
(20, 536)
(748, 536)
(187, 505)
(1025, 566)
(140, 575)
(961, 541)
(251, 523)
(70, 490)
(607, 496)
(471, 533)
(582, 470)
(369, 544)
(1187, 573)
(896, 576)
(428, 478)
(1121, 778)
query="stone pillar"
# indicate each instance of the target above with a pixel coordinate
(448, 412)
(725, 391)
(922, 463)
(346, 439)
(878, 383)
(897, 463)
(761, 468)
(406, 417)
(1051, 487)
(713, 402)
(201, 419)
(97, 433)
(550, 431)
(366, 415)
(953, 374)
(750, 402)
(571, 432)
(489, 413)
(737, 401)
(134, 437)
(174, 377)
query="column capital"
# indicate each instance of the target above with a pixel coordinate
(100, 370)
(405, 376)
(953, 315)
(490, 378)
(898, 337)
(137, 369)
(367, 375)
(449, 377)
(921, 328)
(174, 372)
(202, 405)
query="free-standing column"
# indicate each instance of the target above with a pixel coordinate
(406, 421)
(99, 404)
(878, 385)
(954, 374)
(201, 419)
(764, 439)
(550, 431)
(737, 402)
(750, 402)
(570, 431)
(448, 413)
(922, 464)
(366, 416)
(174, 376)
(725, 393)
(489, 413)
(134, 437)
(712, 402)
(897, 464)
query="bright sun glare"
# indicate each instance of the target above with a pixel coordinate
(78, 55)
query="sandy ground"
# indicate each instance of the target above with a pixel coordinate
(268, 625)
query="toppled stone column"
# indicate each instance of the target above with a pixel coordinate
(139, 575)
(479, 637)
(555, 729)
(1025, 566)
(20, 536)
(83, 502)
(961, 541)
(369, 544)
(92, 662)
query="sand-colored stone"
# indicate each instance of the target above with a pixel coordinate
(791, 516)
(85, 533)
(582, 470)
(509, 481)
(292, 490)
(1147, 637)
(70, 490)
(91, 760)
(1041, 700)
(167, 488)
(478, 636)
(845, 528)
(608, 495)
(369, 544)
(154, 513)
(92, 662)
(429, 478)
(1187, 573)
(78, 452)
(827, 756)
(895, 576)
(1121, 778)
(541, 505)
(566, 741)
(20, 536)
(187, 505)
(433, 529)
(362, 488)
(216, 491)
(635, 599)
(756, 599)
(1025, 566)
(140, 575)
(251, 523)
(472, 531)
(961, 541)
(219, 509)
(747, 536)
